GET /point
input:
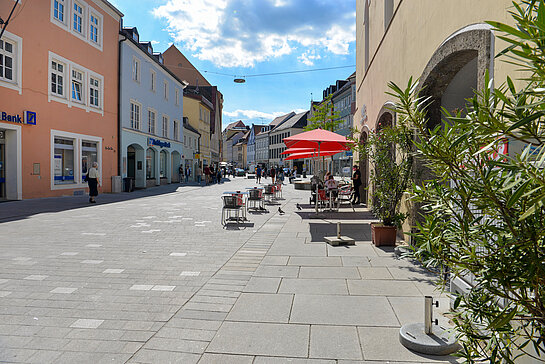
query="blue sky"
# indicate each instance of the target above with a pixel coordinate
(224, 38)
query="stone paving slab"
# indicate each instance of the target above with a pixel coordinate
(334, 342)
(258, 307)
(313, 286)
(342, 310)
(261, 339)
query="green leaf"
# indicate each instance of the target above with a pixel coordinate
(509, 30)
(503, 319)
(517, 194)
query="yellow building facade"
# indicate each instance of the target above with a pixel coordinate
(197, 109)
(445, 44)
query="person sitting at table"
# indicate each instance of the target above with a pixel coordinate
(332, 185)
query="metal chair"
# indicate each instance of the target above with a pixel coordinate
(323, 200)
(345, 194)
(231, 210)
(255, 199)
(278, 190)
(269, 193)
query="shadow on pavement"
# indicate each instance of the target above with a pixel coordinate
(18, 210)
(357, 231)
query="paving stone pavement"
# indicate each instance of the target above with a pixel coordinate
(153, 277)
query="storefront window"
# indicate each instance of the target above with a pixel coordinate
(150, 164)
(88, 157)
(64, 161)
(163, 164)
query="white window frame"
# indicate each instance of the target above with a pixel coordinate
(164, 122)
(65, 5)
(152, 127)
(95, 88)
(78, 139)
(135, 67)
(165, 90)
(58, 74)
(98, 43)
(133, 122)
(16, 83)
(153, 80)
(67, 99)
(83, 33)
(74, 71)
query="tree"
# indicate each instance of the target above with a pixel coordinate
(483, 214)
(325, 116)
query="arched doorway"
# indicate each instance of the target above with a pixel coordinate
(455, 71)
(175, 162)
(135, 165)
(151, 167)
(164, 168)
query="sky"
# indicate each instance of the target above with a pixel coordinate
(228, 39)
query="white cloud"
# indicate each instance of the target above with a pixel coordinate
(154, 42)
(232, 33)
(308, 58)
(257, 115)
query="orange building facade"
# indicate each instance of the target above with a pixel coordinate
(58, 96)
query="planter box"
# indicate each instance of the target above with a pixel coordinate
(383, 235)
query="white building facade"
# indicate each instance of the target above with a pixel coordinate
(151, 109)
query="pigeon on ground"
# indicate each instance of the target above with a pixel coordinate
(280, 211)
(299, 207)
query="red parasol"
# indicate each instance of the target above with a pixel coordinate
(311, 154)
(317, 139)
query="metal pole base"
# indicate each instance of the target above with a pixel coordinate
(439, 342)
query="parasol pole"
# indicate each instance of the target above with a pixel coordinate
(316, 205)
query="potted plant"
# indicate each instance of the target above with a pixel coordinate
(389, 152)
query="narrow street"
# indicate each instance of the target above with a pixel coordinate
(152, 277)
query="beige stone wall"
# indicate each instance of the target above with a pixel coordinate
(416, 31)
(403, 49)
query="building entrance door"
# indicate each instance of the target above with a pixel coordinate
(131, 162)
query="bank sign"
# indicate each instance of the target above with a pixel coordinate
(158, 143)
(29, 117)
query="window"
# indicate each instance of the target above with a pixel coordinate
(176, 135)
(151, 121)
(78, 18)
(94, 92)
(135, 116)
(77, 78)
(6, 60)
(165, 87)
(64, 161)
(153, 75)
(150, 164)
(58, 10)
(74, 85)
(93, 30)
(57, 78)
(88, 157)
(136, 69)
(177, 96)
(165, 126)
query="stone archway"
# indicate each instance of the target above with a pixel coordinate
(135, 165)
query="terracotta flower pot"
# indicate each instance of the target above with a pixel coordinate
(383, 235)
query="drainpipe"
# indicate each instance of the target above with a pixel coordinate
(119, 150)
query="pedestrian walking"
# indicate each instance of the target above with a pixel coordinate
(187, 173)
(198, 173)
(181, 173)
(206, 175)
(93, 182)
(272, 172)
(356, 182)
(218, 176)
(258, 174)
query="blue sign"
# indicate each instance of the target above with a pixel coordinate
(29, 118)
(348, 153)
(158, 143)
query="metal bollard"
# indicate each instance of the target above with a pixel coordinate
(338, 230)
